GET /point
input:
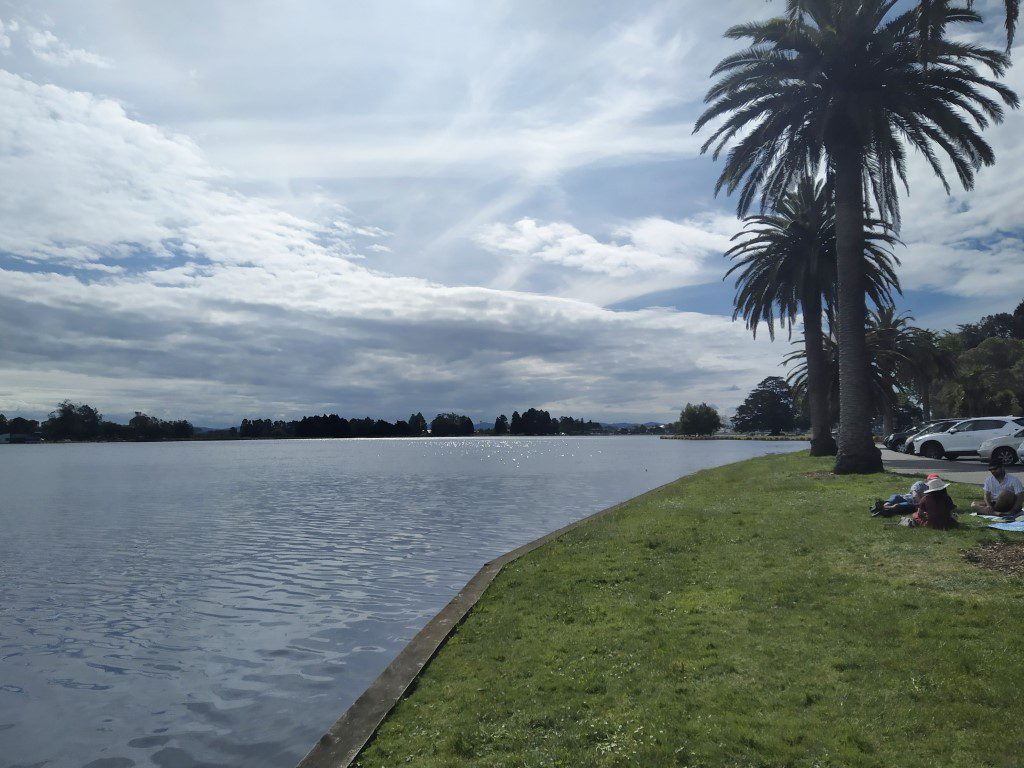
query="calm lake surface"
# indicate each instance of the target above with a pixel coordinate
(185, 604)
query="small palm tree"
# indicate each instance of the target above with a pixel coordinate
(929, 362)
(843, 86)
(892, 343)
(786, 267)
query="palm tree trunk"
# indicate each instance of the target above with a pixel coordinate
(857, 451)
(822, 442)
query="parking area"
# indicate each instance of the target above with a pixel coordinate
(964, 470)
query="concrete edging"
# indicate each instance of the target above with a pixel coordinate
(353, 730)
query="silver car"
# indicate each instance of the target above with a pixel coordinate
(1005, 450)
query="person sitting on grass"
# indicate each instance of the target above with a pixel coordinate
(1004, 493)
(935, 510)
(900, 503)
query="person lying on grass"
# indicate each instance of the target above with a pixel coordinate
(900, 503)
(1004, 493)
(935, 510)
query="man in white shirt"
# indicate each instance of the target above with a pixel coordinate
(1004, 493)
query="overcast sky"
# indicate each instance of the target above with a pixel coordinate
(212, 210)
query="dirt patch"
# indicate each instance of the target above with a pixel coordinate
(1004, 556)
(822, 474)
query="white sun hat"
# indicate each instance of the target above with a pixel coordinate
(936, 485)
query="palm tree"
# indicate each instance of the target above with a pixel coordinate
(786, 266)
(929, 362)
(843, 86)
(934, 9)
(892, 342)
(931, 11)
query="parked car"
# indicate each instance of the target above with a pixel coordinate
(965, 437)
(895, 440)
(933, 426)
(1006, 450)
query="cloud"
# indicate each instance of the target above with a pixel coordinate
(131, 272)
(348, 228)
(5, 38)
(346, 214)
(47, 47)
(675, 250)
(969, 243)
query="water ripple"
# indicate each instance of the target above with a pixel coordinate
(219, 604)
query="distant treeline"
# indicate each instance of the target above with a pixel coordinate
(532, 422)
(333, 425)
(535, 422)
(81, 422)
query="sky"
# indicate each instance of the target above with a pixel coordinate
(217, 210)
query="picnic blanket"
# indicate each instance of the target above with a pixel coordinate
(1015, 526)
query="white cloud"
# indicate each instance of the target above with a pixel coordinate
(347, 228)
(207, 301)
(675, 250)
(246, 278)
(970, 243)
(5, 38)
(47, 47)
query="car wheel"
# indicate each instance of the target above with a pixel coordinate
(932, 451)
(1004, 455)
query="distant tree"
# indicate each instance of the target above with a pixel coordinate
(417, 425)
(501, 425)
(1004, 402)
(906, 414)
(145, 427)
(998, 326)
(118, 432)
(533, 422)
(321, 426)
(72, 422)
(768, 408)
(1018, 321)
(984, 378)
(451, 425)
(362, 427)
(699, 420)
(3, 424)
(181, 429)
(21, 426)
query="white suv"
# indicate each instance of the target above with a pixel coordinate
(965, 437)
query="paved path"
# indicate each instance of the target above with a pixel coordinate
(966, 470)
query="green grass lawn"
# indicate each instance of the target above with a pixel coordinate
(752, 615)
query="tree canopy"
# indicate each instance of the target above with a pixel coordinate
(768, 408)
(700, 419)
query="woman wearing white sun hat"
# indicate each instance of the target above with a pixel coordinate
(935, 509)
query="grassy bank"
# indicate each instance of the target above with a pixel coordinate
(752, 615)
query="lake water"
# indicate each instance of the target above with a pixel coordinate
(185, 604)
